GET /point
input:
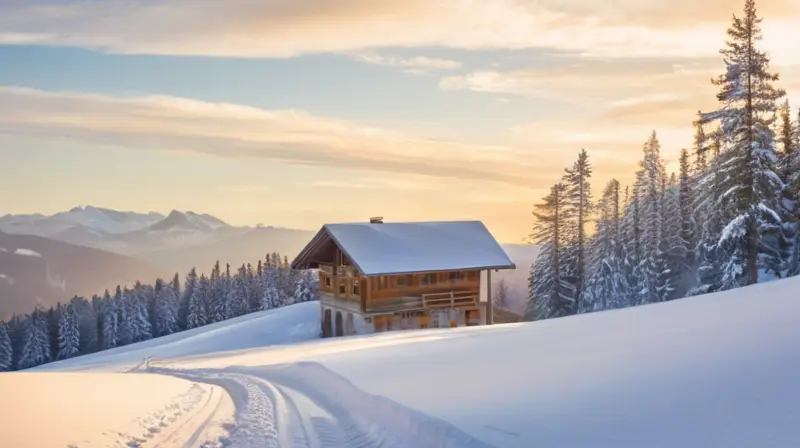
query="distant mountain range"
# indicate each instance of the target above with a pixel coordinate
(166, 244)
(36, 270)
(177, 241)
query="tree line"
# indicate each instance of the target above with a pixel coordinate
(728, 218)
(142, 312)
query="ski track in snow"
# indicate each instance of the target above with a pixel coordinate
(305, 405)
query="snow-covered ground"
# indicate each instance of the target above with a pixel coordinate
(109, 410)
(720, 370)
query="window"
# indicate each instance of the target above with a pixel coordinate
(328, 282)
(403, 281)
(428, 279)
(455, 277)
(356, 289)
(342, 289)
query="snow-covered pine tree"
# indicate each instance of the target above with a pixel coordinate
(256, 287)
(550, 296)
(606, 286)
(53, 316)
(749, 188)
(198, 314)
(110, 320)
(125, 330)
(138, 316)
(700, 145)
(786, 138)
(87, 325)
(68, 333)
(632, 243)
(683, 241)
(188, 291)
(674, 246)
(215, 298)
(17, 327)
(302, 290)
(272, 295)
(166, 307)
(578, 199)
(36, 348)
(6, 350)
(790, 209)
(792, 172)
(650, 189)
(501, 295)
(244, 285)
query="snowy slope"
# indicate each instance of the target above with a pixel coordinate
(719, 370)
(109, 410)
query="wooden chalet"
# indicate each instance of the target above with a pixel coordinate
(380, 276)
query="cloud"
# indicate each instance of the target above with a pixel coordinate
(257, 28)
(230, 130)
(593, 80)
(417, 64)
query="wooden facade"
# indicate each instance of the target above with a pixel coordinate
(396, 293)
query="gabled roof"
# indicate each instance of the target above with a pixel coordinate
(405, 248)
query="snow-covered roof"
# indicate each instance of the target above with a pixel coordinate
(405, 248)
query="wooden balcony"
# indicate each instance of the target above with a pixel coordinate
(440, 301)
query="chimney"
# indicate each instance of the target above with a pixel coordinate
(376, 220)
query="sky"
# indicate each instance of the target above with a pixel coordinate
(296, 114)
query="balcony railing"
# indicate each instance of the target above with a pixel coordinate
(434, 301)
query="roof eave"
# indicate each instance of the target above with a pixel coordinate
(471, 268)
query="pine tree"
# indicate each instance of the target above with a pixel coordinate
(306, 289)
(239, 292)
(68, 333)
(651, 188)
(272, 295)
(17, 328)
(607, 283)
(6, 350)
(166, 306)
(255, 288)
(138, 319)
(792, 173)
(501, 295)
(197, 314)
(52, 317)
(682, 246)
(188, 292)
(749, 188)
(111, 319)
(87, 324)
(579, 202)
(36, 349)
(700, 146)
(216, 297)
(550, 295)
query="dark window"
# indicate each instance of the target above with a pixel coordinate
(403, 281)
(356, 289)
(327, 281)
(456, 277)
(428, 279)
(342, 289)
